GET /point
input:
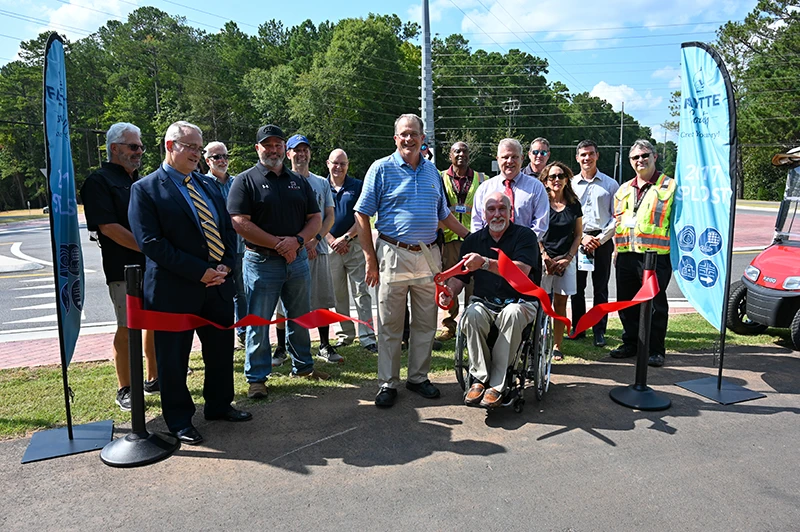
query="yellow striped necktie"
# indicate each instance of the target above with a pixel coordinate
(216, 249)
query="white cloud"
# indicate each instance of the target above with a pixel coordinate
(616, 94)
(582, 25)
(669, 73)
(85, 15)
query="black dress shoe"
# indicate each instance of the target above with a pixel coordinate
(656, 361)
(599, 340)
(622, 351)
(189, 436)
(425, 388)
(231, 414)
(386, 397)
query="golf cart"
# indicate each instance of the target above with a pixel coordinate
(769, 293)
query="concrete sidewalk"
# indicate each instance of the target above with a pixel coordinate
(327, 459)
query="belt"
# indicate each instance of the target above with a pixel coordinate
(267, 252)
(399, 244)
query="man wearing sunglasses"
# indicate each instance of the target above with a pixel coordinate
(643, 213)
(106, 195)
(596, 192)
(217, 160)
(539, 154)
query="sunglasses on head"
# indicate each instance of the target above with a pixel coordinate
(543, 153)
(642, 156)
(218, 156)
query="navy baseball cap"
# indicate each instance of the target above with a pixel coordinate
(270, 130)
(296, 140)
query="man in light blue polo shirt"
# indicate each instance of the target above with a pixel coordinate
(405, 191)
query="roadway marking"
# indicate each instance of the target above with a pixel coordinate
(43, 306)
(26, 275)
(48, 294)
(16, 251)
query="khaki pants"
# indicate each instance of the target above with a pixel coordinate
(403, 272)
(348, 269)
(489, 367)
(451, 254)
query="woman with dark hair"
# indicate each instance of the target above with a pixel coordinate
(560, 243)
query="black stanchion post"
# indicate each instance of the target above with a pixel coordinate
(639, 395)
(139, 447)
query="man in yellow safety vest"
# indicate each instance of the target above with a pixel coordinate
(643, 209)
(460, 183)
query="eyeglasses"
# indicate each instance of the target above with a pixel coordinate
(641, 156)
(412, 135)
(553, 177)
(218, 156)
(196, 149)
(134, 147)
(543, 153)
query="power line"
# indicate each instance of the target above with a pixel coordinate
(603, 28)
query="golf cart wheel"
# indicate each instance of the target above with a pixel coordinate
(738, 321)
(794, 328)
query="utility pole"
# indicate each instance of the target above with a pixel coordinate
(427, 81)
(621, 158)
(510, 107)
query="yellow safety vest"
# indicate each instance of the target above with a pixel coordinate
(650, 231)
(466, 209)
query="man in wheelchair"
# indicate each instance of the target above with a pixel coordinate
(494, 301)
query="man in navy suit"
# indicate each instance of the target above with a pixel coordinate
(180, 222)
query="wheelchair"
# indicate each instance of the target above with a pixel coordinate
(532, 364)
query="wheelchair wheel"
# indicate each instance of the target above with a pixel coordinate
(461, 360)
(543, 357)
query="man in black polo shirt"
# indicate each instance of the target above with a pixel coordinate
(494, 300)
(106, 195)
(275, 211)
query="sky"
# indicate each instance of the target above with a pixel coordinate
(620, 50)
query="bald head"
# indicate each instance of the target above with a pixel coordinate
(337, 165)
(459, 157)
(497, 212)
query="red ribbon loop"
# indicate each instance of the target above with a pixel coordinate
(522, 284)
(153, 320)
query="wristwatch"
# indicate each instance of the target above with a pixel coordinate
(300, 240)
(347, 237)
(318, 237)
(485, 265)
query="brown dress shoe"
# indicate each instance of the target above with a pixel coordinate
(445, 335)
(474, 394)
(492, 398)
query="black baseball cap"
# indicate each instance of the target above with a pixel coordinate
(270, 130)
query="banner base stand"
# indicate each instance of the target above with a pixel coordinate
(727, 394)
(134, 450)
(639, 398)
(54, 443)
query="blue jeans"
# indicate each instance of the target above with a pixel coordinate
(239, 299)
(266, 280)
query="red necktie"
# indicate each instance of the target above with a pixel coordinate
(510, 193)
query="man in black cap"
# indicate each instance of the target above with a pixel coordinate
(276, 212)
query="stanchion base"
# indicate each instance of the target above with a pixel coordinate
(54, 443)
(644, 398)
(727, 394)
(135, 450)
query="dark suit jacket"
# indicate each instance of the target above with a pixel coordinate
(164, 226)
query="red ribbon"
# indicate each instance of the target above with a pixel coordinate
(154, 320)
(522, 284)
(440, 278)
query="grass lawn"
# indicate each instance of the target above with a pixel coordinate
(33, 399)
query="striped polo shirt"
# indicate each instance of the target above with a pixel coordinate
(409, 203)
